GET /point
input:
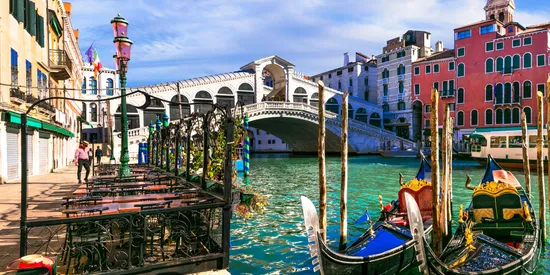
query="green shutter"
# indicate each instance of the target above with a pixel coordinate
(40, 30)
(20, 10)
(32, 18)
(527, 62)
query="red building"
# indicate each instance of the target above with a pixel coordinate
(498, 67)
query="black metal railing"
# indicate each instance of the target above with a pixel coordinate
(31, 99)
(46, 106)
(130, 241)
(17, 93)
(59, 58)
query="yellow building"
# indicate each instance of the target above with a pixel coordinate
(39, 58)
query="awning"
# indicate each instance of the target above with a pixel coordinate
(85, 121)
(65, 132)
(56, 129)
(15, 118)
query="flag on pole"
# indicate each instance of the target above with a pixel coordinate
(90, 54)
(97, 63)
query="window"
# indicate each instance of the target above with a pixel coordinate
(541, 59)
(500, 46)
(460, 118)
(401, 105)
(93, 85)
(29, 76)
(515, 142)
(499, 116)
(40, 30)
(338, 73)
(463, 35)
(489, 66)
(527, 60)
(527, 41)
(500, 64)
(498, 142)
(515, 115)
(473, 118)
(428, 69)
(489, 46)
(501, 18)
(460, 70)
(488, 117)
(385, 73)
(436, 86)
(416, 89)
(527, 111)
(350, 82)
(527, 89)
(110, 86)
(259, 141)
(14, 68)
(508, 65)
(385, 87)
(366, 82)
(416, 70)
(452, 107)
(385, 59)
(489, 92)
(460, 96)
(385, 107)
(487, 29)
(516, 62)
(320, 78)
(499, 96)
(401, 54)
(93, 112)
(339, 85)
(350, 69)
(507, 93)
(427, 123)
(428, 108)
(507, 116)
(401, 87)
(516, 92)
(461, 52)
(516, 43)
(401, 70)
(329, 76)
(451, 66)
(436, 68)
(84, 86)
(540, 88)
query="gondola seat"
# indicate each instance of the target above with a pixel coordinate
(421, 191)
(498, 210)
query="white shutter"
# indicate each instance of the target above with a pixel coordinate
(30, 160)
(12, 146)
(44, 155)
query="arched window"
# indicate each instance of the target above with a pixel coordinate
(245, 94)
(527, 111)
(401, 70)
(488, 117)
(515, 115)
(489, 66)
(375, 120)
(93, 85)
(339, 85)
(516, 92)
(460, 96)
(225, 97)
(84, 114)
(473, 118)
(93, 112)
(385, 88)
(203, 101)
(175, 108)
(361, 115)
(507, 116)
(499, 116)
(500, 64)
(314, 100)
(489, 92)
(527, 60)
(461, 70)
(401, 87)
(527, 89)
(501, 17)
(460, 118)
(507, 93)
(156, 109)
(300, 95)
(333, 106)
(499, 90)
(385, 73)
(110, 86)
(516, 62)
(133, 118)
(385, 107)
(508, 65)
(401, 105)
(84, 86)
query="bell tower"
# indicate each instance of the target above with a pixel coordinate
(503, 10)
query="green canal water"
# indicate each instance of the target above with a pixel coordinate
(275, 242)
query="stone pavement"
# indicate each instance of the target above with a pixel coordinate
(45, 193)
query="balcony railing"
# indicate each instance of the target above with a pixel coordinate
(31, 99)
(400, 96)
(385, 99)
(448, 93)
(401, 77)
(385, 81)
(46, 106)
(504, 102)
(61, 64)
(17, 95)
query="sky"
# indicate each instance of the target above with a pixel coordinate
(182, 39)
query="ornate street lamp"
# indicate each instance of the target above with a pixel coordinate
(123, 50)
(165, 120)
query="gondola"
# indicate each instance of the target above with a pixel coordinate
(387, 247)
(497, 234)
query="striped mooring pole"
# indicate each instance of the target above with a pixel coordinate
(246, 149)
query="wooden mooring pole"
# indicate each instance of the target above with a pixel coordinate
(540, 168)
(344, 175)
(525, 149)
(450, 177)
(434, 125)
(445, 171)
(322, 171)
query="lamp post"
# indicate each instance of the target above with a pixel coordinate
(159, 143)
(166, 124)
(123, 49)
(150, 143)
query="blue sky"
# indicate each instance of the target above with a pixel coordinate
(181, 39)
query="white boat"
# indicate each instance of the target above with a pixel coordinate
(505, 145)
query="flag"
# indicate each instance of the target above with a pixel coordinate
(364, 218)
(97, 63)
(90, 54)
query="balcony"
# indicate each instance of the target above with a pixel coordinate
(447, 93)
(507, 102)
(400, 96)
(60, 64)
(385, 99)
(385, 81)
(46, 107)
(31, 99)
(17, 96)
(401, 77)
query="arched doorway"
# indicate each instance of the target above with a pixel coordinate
(245, 93)
(203, 101)
(274, 76)
(361, 115)
(375, 120)
(417, 120)
(332, 105)
(314, 100)
(133, 118)
(155, 110)
(300, 95)
(225, 97)
(175, 109)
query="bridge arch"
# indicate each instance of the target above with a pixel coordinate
(274, 76)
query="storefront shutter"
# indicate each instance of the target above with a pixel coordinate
(12, 146)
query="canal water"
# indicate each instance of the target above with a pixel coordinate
(275, 242)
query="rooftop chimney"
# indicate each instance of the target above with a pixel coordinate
(346, 59)
(438, 46)
(68, 8)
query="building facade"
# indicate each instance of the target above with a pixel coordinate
(42, 59)
(394, 81)
(499, 67)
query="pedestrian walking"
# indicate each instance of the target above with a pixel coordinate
(81, 158)
(98, 155)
